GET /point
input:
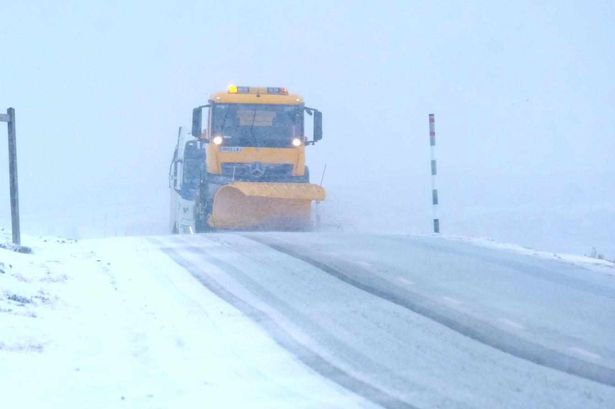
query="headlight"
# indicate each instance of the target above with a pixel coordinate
(296, 142)
(217, 140)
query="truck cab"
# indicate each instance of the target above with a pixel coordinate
(251, 142)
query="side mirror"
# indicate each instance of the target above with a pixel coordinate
(197, 121)
(317, 126)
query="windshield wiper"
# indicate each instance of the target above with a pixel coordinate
(252, 129)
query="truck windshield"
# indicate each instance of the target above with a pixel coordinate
(257, 125)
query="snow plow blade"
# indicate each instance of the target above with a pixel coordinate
(252, 205)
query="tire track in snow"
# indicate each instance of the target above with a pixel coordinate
(290, 312)
(304, 354)
(479, 330)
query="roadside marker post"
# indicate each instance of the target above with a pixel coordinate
(9, 118)
(434, 173)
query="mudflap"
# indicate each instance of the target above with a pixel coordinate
(267, 206)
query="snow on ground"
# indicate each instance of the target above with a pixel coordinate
(76, 331)
(595, 263)
(116, 323)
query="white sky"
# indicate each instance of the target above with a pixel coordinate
(523, 96)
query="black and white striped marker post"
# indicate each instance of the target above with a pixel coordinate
(434, 172)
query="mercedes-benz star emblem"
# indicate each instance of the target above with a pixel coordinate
(257, 169)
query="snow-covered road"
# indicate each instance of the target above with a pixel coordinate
(420, 322)
(325, 320)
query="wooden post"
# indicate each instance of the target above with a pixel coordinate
(9, 118)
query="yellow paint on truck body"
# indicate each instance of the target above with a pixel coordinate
(256, 98)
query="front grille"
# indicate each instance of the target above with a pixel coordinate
(257, 171)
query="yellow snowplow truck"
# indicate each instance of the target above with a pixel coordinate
(243, 167)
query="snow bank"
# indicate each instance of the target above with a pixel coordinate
(600, 264)
(31, 292)
(116, 323)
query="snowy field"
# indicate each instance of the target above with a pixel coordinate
(227, 320)
(79, 330)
